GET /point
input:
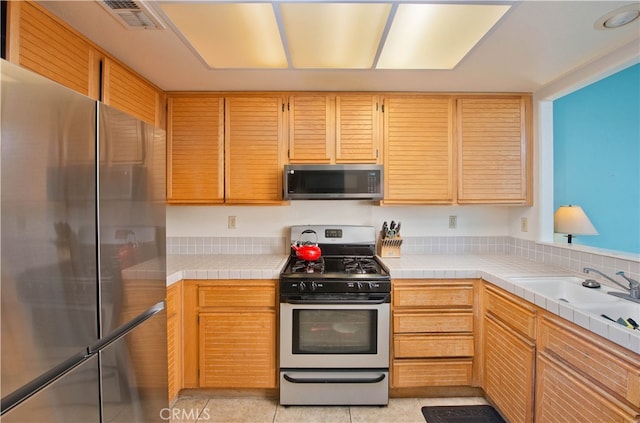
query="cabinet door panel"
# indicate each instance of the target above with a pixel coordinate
(563, 397)
(418, 150)
(493, 150)
(357, 129)
(40, 42)
(237, 350)
(253, 149)
(195, 142)
(509, 371)
(311, 129)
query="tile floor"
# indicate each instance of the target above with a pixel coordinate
(263, 410)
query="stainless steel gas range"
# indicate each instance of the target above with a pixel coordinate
(334, 320)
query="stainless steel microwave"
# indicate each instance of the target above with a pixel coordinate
(333, 182)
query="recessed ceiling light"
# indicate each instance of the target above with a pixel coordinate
(619, 17)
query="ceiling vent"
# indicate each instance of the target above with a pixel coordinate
(132, 14)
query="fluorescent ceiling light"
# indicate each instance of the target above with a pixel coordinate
(230, 35)
(436, 36)
(334, 35)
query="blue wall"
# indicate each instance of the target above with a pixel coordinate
(596, 135)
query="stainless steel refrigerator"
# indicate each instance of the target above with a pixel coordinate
(83, 269)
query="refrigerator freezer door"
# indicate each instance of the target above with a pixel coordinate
(48, 303)
(72, 398)
(134, 381)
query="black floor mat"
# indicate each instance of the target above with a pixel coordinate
(462, 414)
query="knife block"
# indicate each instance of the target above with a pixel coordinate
(389, 247)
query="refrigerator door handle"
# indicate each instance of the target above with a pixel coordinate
(124, 329)
(31, 388)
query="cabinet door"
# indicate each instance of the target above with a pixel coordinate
(509, 371)
(311, 129)
(561, 396)
(357, 128)
(174, 340)
(40, 42)
(253, 149)
(195, 149)
(494, 150)
(418, 150)
(237, 349)
(128, 92)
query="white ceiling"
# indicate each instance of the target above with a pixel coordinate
(533, 45)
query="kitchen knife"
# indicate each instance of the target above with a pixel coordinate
(398, 229)
(385, 230)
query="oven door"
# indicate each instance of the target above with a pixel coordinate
(335, 335)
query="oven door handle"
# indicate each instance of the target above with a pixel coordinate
(334, 301)
(334, 380)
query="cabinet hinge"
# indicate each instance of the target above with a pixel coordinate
(382, 107)
(376, 107)
(377, 153)
(289, 153)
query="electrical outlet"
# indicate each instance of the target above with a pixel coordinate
(524, 224)
(453, 222)
(231, 222)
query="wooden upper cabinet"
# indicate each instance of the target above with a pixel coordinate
(126, 91)
(418, 149)
(40, 42)
(311, 128)
(494, 149)
(254, 146)
(195, 132)
(357, 128)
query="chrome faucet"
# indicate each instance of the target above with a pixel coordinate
(633, 288)
(634, 285)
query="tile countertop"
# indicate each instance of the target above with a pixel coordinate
(496, 269)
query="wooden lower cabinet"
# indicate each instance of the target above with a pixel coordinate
(174, 339)
(433, 339)
(563, 396)
(509, 364)
(230, 334)
(509, 353)
(539, 367)
(237, 349)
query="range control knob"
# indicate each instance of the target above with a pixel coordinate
(359, 285)
(314, 286)
(302, 286)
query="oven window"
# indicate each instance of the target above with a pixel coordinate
(335, 331)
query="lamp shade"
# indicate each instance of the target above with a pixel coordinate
(572, 220)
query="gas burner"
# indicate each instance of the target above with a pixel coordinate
(360, 265)
(304, 266)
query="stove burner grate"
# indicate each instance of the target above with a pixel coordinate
(304, 266)
(360, 265)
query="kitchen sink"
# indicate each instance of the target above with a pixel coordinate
(567, 289)
(614, 310)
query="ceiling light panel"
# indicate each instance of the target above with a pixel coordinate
(436, 36)
(333, 35)
(230, 35)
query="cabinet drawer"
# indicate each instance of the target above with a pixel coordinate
(515, 313)
(412, 322)
(430, 294)
(415, 373)
(419, 346)
(617, 370)
(238, 294)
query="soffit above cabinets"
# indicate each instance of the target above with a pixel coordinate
(331, 35)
